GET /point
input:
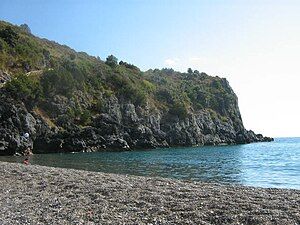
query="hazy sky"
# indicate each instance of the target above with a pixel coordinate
(255, 44)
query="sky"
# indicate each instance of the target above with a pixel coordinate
(254, 44)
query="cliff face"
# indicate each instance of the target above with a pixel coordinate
(121, 127)
(69, 101)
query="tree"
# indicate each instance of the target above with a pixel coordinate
(179, 109)
(24, 88)
(58, 81)
(196, 72)
(85, 117)
(46, 54)
(9, 36)
(190, 70)
(72, 56)
(127, 65)
(112, 61)
(25, 28)
(1, 45)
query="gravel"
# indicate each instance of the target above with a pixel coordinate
(33, 194)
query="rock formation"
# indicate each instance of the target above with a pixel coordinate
(69, 102)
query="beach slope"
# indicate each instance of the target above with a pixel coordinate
(43, 195)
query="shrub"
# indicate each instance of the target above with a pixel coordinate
(217, 84)
(96, 83)
(46, 54)
(224, 119)
(133, 94)
(213, 114)
(81, 117)
(97, 106)
(150, 87)
(112, 61)
(85, 117)
(196, 72)
(127, 65)
(164, 95)
(74, 70)
(1, 45)
(24, 27)
(179, 109)
(72, 56)
(58, 81)
(168, 71)
(198, 97)
(24, 88)
(9, 36)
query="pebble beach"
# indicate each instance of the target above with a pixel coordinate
(32, 194)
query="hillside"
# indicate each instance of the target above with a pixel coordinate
(70, 101)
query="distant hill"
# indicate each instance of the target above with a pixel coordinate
(70, 101)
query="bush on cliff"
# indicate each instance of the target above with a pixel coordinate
(25, 88)
(128, 65)
(127, 90)
(24, 27)
(112, 61)
(58, 81)
(9, 36)
(179, 109)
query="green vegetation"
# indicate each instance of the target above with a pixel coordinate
(24, 88)
(58, 81)
(49, 70)
(179, 109)
(9, 36)
(150, 87)
(25, 28)
(112, 61)
(126, 90)
(128, 65)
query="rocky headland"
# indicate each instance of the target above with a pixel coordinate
(68, 101)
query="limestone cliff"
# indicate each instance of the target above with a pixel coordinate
(69, 101)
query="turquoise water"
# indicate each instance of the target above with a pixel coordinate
(275, 164)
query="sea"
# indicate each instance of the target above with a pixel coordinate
(267, 164)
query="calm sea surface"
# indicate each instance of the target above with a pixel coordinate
(275, 164)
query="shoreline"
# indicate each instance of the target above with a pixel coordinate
(33, 194)
(63, 151)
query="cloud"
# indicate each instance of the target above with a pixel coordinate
(197, 61)
(171, 62)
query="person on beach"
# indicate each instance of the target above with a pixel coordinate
(27, 152)
(26, 161)
(26, 141)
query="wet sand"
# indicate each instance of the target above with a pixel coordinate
(33, 194)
